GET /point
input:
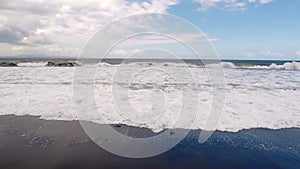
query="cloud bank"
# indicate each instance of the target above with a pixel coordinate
(61, 27)
(229, 4)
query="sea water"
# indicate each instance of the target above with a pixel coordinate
(257, 94)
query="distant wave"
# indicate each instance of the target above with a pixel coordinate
(226, 65)
(222, 65)
(285, 66)
(230, 65)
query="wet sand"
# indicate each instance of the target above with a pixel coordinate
(28, 142)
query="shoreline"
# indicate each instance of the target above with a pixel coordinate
(29, 142)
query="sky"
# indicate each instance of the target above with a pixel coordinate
(239, 29)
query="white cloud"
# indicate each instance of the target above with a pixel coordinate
(229, 4)
(57, 26)
(297, 53)
(153, 40)
(265, 1)
(120, 52)
(272, 54)
(124, 53)
(249, 55)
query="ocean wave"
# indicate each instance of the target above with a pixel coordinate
(226, 65)
(285, 66)
(222, 65)
(230, 65)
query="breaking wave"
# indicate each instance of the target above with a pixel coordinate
(230, 65)
(285, 66)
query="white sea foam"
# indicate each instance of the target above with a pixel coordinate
(255, 98)
(230, 65)
(285, 66)
(32, 64)
(222, 65)
(292, 66)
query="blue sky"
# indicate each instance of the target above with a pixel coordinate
(254, 33)
(241, 29)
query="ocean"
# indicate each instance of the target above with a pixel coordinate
(258, 94)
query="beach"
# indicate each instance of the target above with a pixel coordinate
(29, 142)
(40, 113)
(149, 84)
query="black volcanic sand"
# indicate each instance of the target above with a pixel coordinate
(28, 142)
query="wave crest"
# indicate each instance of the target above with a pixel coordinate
(230, 65)
(285, 66)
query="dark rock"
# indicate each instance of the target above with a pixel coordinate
(8, 64)
(62, 64)
(117, 125)
(50, 64)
